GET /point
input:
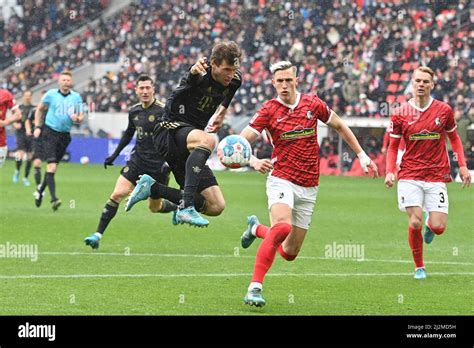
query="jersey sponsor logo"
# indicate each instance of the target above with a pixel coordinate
(298, 134)
(425, 135)
(151, 118)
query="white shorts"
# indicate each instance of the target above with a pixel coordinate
(3, 155)
(430, 196)
(300, 199)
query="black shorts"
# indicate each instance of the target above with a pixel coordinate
(133, 169)
(38, 150)
(171, 144)
(54, 144)
(23, 142)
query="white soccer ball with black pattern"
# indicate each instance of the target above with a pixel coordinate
(234, 151)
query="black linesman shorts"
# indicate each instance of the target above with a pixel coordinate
(170, 141)
(55, 144)
(134, 168)
(38, 148)
(23, 142)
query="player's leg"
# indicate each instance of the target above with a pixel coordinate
(305, 200)
(437, 204)
(123, 187)
(37, 169)
(49, 151)
(29, 161)
(37, 159)
(63, 142)
(200, 146)
(280, 201)
(158, 204)
(410, 200)
(19, 154)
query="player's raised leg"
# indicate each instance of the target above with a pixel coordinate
(434, 224)
(200, 145)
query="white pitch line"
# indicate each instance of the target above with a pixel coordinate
(247, 256)
(220, 275)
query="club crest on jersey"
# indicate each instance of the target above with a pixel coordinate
(151, 118)
(425, 135)
(437, 121)
(309, 115)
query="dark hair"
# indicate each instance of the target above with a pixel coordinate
(228, 51)
(144, 77)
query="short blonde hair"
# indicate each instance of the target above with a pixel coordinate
(427, 70)
(66, 72)
(282, 65)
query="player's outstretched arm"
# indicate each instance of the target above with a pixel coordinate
(261, 165)
(456, 144)
(345, 132)
(124, 141)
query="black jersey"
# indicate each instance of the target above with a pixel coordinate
(142, 121)
(25, 113)
(197, 97)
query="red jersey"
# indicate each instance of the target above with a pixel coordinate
(6, 102)
(292, 130)
(424, 132)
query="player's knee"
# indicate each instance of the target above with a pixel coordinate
(208, 142)
(438, 227)
(117, 196)
(415, 224)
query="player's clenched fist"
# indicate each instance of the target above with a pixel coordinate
(200, 67)
(389, 180)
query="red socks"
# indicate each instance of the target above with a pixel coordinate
(267, 250)
(416, 244)
(436, 231)
(262, 231)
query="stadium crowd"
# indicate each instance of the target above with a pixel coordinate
(347, 52)
(32, 23)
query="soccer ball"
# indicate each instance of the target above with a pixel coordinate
(84, 160)
(234, 151)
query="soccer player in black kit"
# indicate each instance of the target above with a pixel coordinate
(142, 119)
(195, 108)
(23, 140)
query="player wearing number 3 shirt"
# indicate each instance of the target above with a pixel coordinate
(291, 122)
(423, 123)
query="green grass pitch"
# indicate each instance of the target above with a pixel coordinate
(146, 266)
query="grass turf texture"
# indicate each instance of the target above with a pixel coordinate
(146, 266)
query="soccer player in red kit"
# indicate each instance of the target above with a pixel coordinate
(7, 102)
(291, 122)
(423, 123)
